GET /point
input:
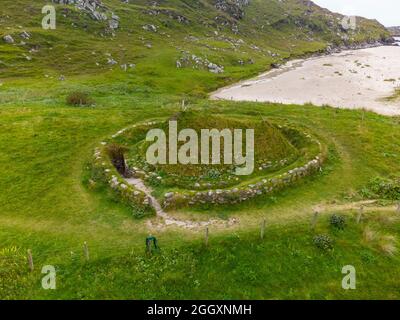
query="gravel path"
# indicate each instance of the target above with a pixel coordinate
(168, 220)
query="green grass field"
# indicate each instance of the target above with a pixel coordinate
(46, 146)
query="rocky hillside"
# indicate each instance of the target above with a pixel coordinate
(217, 36)
(395, 31)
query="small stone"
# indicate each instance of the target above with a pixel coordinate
(169, 195)
(111, 61)
(8, 39)
(114, 22)
(25, 35)
(150, 27)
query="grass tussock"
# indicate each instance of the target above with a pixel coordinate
(370, 234)
(386, 243)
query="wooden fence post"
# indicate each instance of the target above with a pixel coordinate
(30, 260)
(314, 220)
(263, 229)
(86, 251)
(360, 214)
(206, 237)
(148, 247)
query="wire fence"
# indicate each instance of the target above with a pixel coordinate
(93, 251)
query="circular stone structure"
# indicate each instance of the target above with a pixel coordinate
(283, 154)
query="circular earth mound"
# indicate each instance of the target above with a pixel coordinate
(283, 154)
(272, 150)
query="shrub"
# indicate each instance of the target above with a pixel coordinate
(367, 257)
(338, 222)
(78, 98)
(213, 174)
(140, 213)
(323, 242)
(153, 180)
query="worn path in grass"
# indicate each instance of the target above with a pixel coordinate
(168, 220)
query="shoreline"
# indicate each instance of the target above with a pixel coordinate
(328, 52)
(296, 65)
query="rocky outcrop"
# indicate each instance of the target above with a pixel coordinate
(25, 35)
(192, 61)
(95, 9)
(170, 13)
(113, 23)
(395, 31)
(235, 8)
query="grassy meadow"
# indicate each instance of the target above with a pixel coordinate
(48, 206)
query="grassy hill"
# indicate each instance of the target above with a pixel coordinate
(157, 57)
(258, 34)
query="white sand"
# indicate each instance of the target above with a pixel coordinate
(350, 79)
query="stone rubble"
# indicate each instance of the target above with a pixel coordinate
(191, 60)
(95, 9)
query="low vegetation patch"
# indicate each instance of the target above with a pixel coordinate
(13, 272)
(338, 221)
(395, 96)
(79, 99)
(323, 242)
(384, 242)
(382, 188)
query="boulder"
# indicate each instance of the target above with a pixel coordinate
(169, 195)
(212, 67)
(150, 27)
(8, 39)
(25, 35)
(111, 61)
(113, 23)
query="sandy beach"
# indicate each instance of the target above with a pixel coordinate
(351, 79)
